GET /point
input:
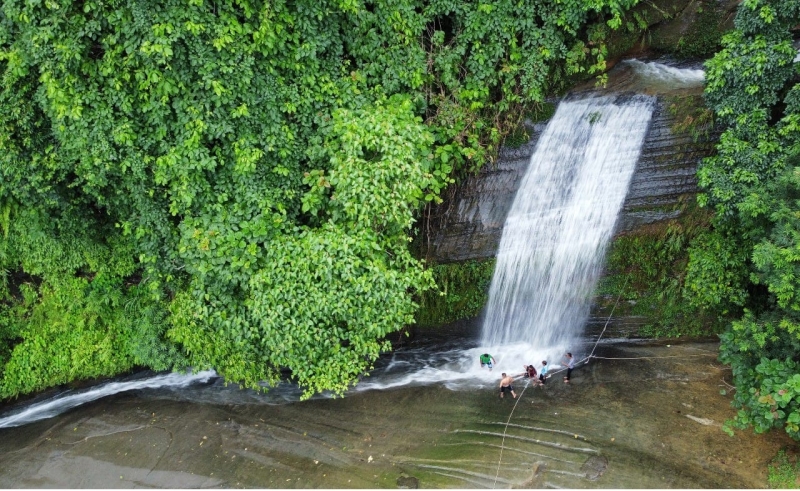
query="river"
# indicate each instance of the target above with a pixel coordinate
(638, 415)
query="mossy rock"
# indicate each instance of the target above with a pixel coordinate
(462, 291)
(687, 29)
(695, 31)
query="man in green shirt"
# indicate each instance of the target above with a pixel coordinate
(487, 360)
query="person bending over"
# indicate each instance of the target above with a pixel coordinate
(505, 386)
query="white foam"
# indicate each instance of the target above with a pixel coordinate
(61, 403)
(460, 369)
(669, 75)
(554, 239)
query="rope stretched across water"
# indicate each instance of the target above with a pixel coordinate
(609, 318)
(584, 360)
(502, 443)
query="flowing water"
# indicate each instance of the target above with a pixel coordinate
(554, 239)
(666, 76)
(639, 415)
(550, 256)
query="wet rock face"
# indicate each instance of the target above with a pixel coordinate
(622, 423)
(690, 23)
(665, 172)
(469, 224)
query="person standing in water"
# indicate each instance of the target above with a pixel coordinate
(505, 386)
(543, 372)
(570, 366)
(487, 360)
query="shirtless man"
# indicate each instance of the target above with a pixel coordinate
(505, 386)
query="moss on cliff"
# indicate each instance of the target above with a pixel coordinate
(695, 33)
(685, 29)
(645, 269)
(691, 116)
(463, 291)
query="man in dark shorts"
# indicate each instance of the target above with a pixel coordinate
(505, 386)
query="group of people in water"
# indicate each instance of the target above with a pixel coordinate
(538, 379)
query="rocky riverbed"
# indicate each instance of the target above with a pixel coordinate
(639, 415)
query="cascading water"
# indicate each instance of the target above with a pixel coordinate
(667, 76)
(563, 215)
(548, 262)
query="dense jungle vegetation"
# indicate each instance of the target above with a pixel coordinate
(740, 274)
(233, 184)
(747, 265)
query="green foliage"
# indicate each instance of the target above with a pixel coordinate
(541, 112)
(773, 397)
(323, 298)
(462, 291)
(647, 271)
(536, 113)
(705, 36)
(717, 272)
(517, 138)
(691, 116)
(750, 259)
(783, 474)
(242, 175)
(79, 319)
(492, 58)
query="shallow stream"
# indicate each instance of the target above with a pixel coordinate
(638, 415)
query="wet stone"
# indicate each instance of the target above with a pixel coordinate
(594, 467)
(620, 408)
(407, 482)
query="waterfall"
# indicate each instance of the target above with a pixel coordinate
(554, 238)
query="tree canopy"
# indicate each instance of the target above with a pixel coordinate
(749, 261)
(233, 184)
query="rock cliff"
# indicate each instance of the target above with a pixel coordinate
(469, 223)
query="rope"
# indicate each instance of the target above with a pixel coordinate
(503, 442)
(608, 320)
(651, 357)
(584, 360)
(527, 384)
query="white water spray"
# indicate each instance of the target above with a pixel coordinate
(58, 405)
(554, 240)
(669, 76)
(549, 258)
